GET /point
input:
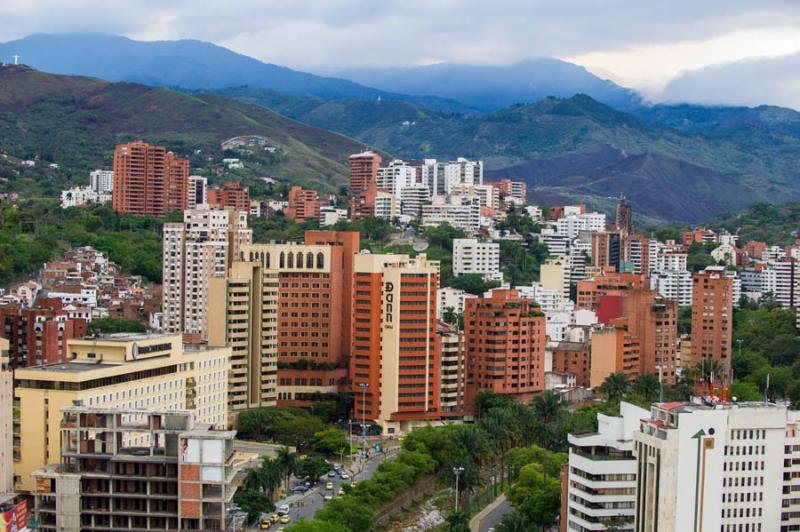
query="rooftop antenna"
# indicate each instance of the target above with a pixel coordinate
(15, 57)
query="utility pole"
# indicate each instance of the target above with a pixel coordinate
(457, 472)
(364, 386)
(660, 385)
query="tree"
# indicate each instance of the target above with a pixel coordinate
(311, 468)
(647, 386)
(537, 495)
(515, 521)
(457, 522)
(254, 503)
(287, 463)
(473, 283)
(615, 386)
(298, 431)
(329, 441)
(114, 325)
(547, 406)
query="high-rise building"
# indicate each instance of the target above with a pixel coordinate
(412, 199)
(6, 420)
(101, 181)
(198, 192)
(652, 320)
(624, 218)
(39, 335)
(136, 469)
(149, 180)
(453, 370)
(201, 247)
(231, 195)
(601, 483)
(555, 275)
(472, 256)
(303, 204)
(511, 191)
(607, 249)
(137, 371)
(243, 314)
(590, 291)
(463, 172)
(712, 317)
(574, 358)
(314, 312)
(395, 177)
(505, 343)
(385, 206)
(395, 361)
(725, 467)
(363, 173)
(463, 212)
(613, 350)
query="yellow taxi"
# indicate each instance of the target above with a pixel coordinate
(285, 518)
(329, 486)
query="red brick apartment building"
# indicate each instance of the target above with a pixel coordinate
(363, 178)
(712, 316)
(303, 204)
(232, 195)
(148, 180)
(505, 344)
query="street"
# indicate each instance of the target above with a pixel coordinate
(303, 506)
(495, 516)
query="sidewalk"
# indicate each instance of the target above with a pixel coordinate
(475, 523)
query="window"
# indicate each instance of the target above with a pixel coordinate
(320, 260)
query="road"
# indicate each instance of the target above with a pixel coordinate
(495, 516)
(303, 506)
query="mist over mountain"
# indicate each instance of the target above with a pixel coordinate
(490, 88)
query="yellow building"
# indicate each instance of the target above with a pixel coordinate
(6, 421)
(134, 371)
(555, 275)
(243, 314)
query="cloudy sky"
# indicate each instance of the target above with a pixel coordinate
(664, 49)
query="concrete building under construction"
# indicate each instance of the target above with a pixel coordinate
(180, 478)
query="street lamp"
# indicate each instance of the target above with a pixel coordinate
(363, 386)
(457, 472)
(660, 385)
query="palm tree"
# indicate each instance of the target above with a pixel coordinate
(615, 386)
(547, 406)
(253, 480)
(287, 463)
(516, 521)
(647, 385)
(271, 475)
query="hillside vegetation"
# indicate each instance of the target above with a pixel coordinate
(76, 121)
(695, 164)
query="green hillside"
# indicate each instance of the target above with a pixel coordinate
(565, 148)
(76, 121)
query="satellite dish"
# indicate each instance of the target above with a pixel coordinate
(420, 245)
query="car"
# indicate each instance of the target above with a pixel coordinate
(341, 492)
(283, 509)
(331, 473)
(329, 486)
(300, 489)
(285, 519)
(344, 476)
(274, 518)
(327, 496)
(265, 524)
(281, 529)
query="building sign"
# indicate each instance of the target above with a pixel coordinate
(388, 305)
(15, 519)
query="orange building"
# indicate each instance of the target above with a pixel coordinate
(314, 312)
(712, 316)
(699, 235)
(303, 204)
(148, 180)
(575, 358)
(363, 183)
(395, 363)
(505, 343)
(614, 350)
(39, 335)
(513, 189)
(589, 291)
(232, 195)
(607, 249)
(652, 320)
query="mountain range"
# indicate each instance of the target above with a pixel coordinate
(675, 162)
(75, 121)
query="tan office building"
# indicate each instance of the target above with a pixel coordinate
(135, 371)
(243, 313)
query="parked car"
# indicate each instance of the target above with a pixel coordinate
(302, 488)
(344, 476)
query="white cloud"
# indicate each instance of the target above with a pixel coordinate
(641, 44)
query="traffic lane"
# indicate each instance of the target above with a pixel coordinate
(495, 516)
